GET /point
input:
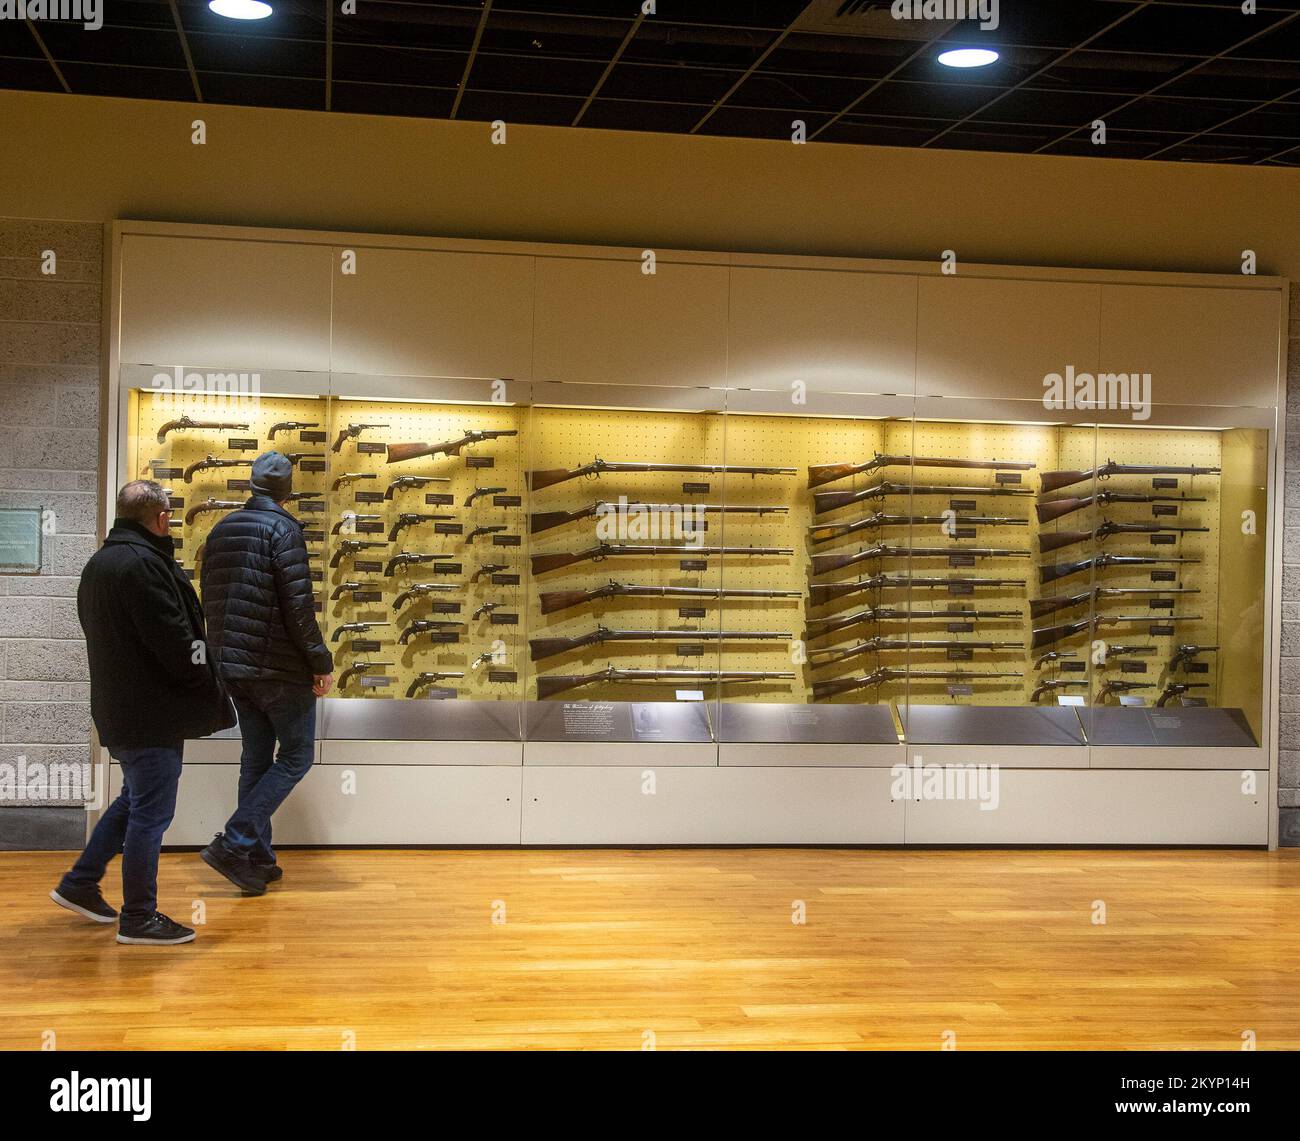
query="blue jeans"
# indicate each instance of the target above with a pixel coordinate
(269, 711)
(133, 826)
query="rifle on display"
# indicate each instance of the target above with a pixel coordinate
(816, 627)
(549, 478)
(1054, 540)
(351, 518)
(1053, 685)
(425, 626)
(398, 453)
(1186, 652)
(1055, 480)
(549, 647)
(1041, 607)
(1046, 635)
(824, 501)
(185, 424)
(827, 532)
(350, 547)
(823, 592)
(825, 564)
(351, 477)
(351, 586)
(1049, 509)
(493, 530)
(291, 426)
(351, 432)
(410, 519)
(1177, 689)
(424, 680)
(545, 520)
(479, 492)
(354, 628)
(828, 473)
(409, 558)
(876, 678)
(211, 462)
(877, 645)
(403, 482)
(544, 563)
(419, 589)
(1116, 686)
(1052, 572)
(358, 668)
(564, 599)
(210, 504)
(559, 683)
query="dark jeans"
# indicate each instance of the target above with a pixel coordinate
(133, 826)
(269, 711)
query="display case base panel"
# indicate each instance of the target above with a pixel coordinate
(826, 756)
(1181, 727)
(421, 753)
(1157, 757)
(1019, 757)
(990, 725)
(641, 722)
(380, 719)
(642, 754)
(773, 722)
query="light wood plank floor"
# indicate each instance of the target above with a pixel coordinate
(697, 947)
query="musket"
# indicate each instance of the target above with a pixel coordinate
(816, 627)
(424, 626)
(410, 519)
(488, 568)
(1054, 540)
(355, 627)
(1052, 572)
(829, 473)
(1186, 652)
(348, 547)
(352, 431)
(821, 689)
(1056, 683)
(291, 426)
(213, 461)
(1046, 635)
(824, 501)
(559, 683)
(1055, 480)
(397, 453)
(210, 504)
(1049, 509)
(357, 668)
(545, 520)
(352, 586)
(544, 563)
(426, 679)
(479, 492)
(825, 564)
(827, 532)
(563, 599)
(549, 647)
(417, 589)
(185, 424)
(877, 645)
(402, 482)
(352, 517)
(1041, 607)
(492, 530)
(823, 592)
(351, 477)
(1053, 656)
(540, 479)
(409, 558)
(1177, 689)
(1116, 685)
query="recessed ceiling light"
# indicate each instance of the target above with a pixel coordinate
(968, 57)
(240, 9)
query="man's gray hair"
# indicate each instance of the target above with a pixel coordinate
(141, 500)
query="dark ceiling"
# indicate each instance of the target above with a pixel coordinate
(1175, 80)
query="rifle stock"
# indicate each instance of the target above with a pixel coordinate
(552, 601)
(1054, 540)
(551, 476)
(1046, 635)
(1055, 508)
(559, 683)
(545, 520)
(1055, 480)
(544, 563)
(399, 452)
(829, 473)
(1041, 607)
(540, 648)
(821, 689)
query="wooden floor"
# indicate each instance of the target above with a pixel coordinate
(597, 949)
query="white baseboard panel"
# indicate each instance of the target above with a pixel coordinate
(455, 753)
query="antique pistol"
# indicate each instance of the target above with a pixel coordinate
(352, 431)
(350, 547)
(185, 424)
(355, 628)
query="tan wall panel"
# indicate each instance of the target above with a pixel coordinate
(225, 304)
(997, 339)
(426, 313)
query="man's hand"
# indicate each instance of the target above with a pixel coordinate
(321, 684)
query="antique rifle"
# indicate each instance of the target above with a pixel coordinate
(549, 647)
(398, 453)
(1054, 480)
(550, 477)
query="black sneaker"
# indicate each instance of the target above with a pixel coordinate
(237, 869)
(156, 929)
(85, 901)
(269, 872)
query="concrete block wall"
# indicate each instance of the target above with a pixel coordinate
(49, 453)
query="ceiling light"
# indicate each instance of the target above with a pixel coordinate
(968, 57)
(240, 9)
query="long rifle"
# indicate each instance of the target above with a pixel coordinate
(828, 473)
(825, 564)
(1041, 607)
(824, 501)
(877, 645)
(551, 601)
(822, 689)
(1054, 480)
(1049, 509)
(823, 592)
(544, 563)
(185, 424)
(1054, 540)
(817, 627)
(827, 532)
(545, 520)
(1052, 572)
(548, 478)
(549, 647)
(559, 683)
(1046, 635)
(397, 453)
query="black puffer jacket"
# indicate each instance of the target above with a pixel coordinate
(257, 595)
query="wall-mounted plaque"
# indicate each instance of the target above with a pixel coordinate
(20, 540)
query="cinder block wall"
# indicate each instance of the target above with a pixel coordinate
(49, 454)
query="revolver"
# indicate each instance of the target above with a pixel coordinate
(427, 679)
(404, 481)
(1177, 689)
(355, 627)
(295, 458)
(410, 519)
(423, 626)
(485, 531)
(480, 491)
(291, 426)
(1053, 656)
(418, 588)
(486, 608)
(356, 668)
(488, 568)
(352, 431)
(350, 547)
(1185, 653)
(350, 477)
(350, 586)
(351, 517)
(1119, 687)
(407, 558)
(1049, 686)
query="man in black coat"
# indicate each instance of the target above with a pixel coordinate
(261, 611)
(152, 687)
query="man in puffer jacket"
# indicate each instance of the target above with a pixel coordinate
(262, 630)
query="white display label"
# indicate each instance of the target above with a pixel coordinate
(690, 695)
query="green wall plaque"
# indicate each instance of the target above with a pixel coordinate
(20, 540)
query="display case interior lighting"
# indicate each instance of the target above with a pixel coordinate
(240, 9)
(968, 57)
(388, 400)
